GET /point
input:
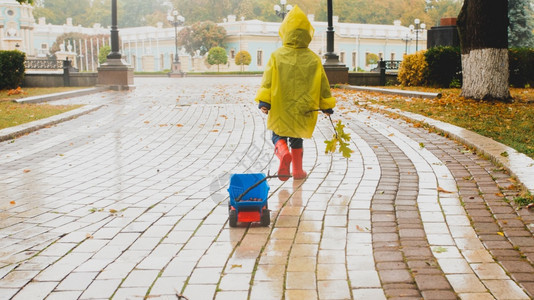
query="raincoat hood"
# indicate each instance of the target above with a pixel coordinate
(296, 30)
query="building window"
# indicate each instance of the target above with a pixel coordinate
(342, 56)
(232, 53)
(354, 62)
(380, 56)
(44, 46)
(367, 58)
(392, 56)
(259, 56)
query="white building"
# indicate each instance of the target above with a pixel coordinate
(153, 48)
(16, 26)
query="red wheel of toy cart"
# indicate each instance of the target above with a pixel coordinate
(232, 218)
(265, 219)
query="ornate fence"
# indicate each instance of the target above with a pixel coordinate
(51, 64)
(387, 65)
(392, 64)
(43, 64)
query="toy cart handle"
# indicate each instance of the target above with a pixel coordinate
(258, 183)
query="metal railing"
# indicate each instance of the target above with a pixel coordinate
(51, 64)
(391, 64)
(43, 64)
(387, 65)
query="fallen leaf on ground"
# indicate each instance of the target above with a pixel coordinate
(26, 171)
(440, 189)
(359, 228)
(440, 249)
(12, 202)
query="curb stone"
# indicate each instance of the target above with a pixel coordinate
(413, 94)
(62, 95)
(16, 131)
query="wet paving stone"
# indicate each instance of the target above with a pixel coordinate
(131, 201)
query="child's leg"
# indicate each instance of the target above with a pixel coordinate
(282, 152)
(296, 156)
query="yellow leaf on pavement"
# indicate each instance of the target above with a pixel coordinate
(442, 190)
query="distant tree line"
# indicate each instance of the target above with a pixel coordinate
(142, 12)
(134, 13)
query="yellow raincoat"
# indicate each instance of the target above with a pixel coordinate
(294, 82)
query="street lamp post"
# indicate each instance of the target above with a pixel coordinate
(176, 20)
(114, 54)
(282, 9)
(336, 71)
(406, 39)
(419, 27)
(115, 73)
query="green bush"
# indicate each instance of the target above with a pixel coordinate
(11, 69)
(444, 66)
(371, 59)
(103, 54)
(521, 64)
(217, 56)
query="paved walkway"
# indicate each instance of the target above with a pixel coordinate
(129, 201)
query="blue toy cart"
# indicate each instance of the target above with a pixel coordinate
(248, 199)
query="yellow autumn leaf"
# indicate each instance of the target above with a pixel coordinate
(442, 190)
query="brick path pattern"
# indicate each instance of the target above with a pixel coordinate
(130, 201)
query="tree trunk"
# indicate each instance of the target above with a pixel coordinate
(487, 80)
(483, 30)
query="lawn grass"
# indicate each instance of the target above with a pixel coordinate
(509, 123)
(13, 114)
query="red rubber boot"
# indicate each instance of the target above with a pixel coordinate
(281, 150)
(296, 155)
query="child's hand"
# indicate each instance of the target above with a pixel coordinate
(328, 112)
(264, 106)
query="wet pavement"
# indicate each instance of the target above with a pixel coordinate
(129, 201)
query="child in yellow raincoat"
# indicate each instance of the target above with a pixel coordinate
(294, 87)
